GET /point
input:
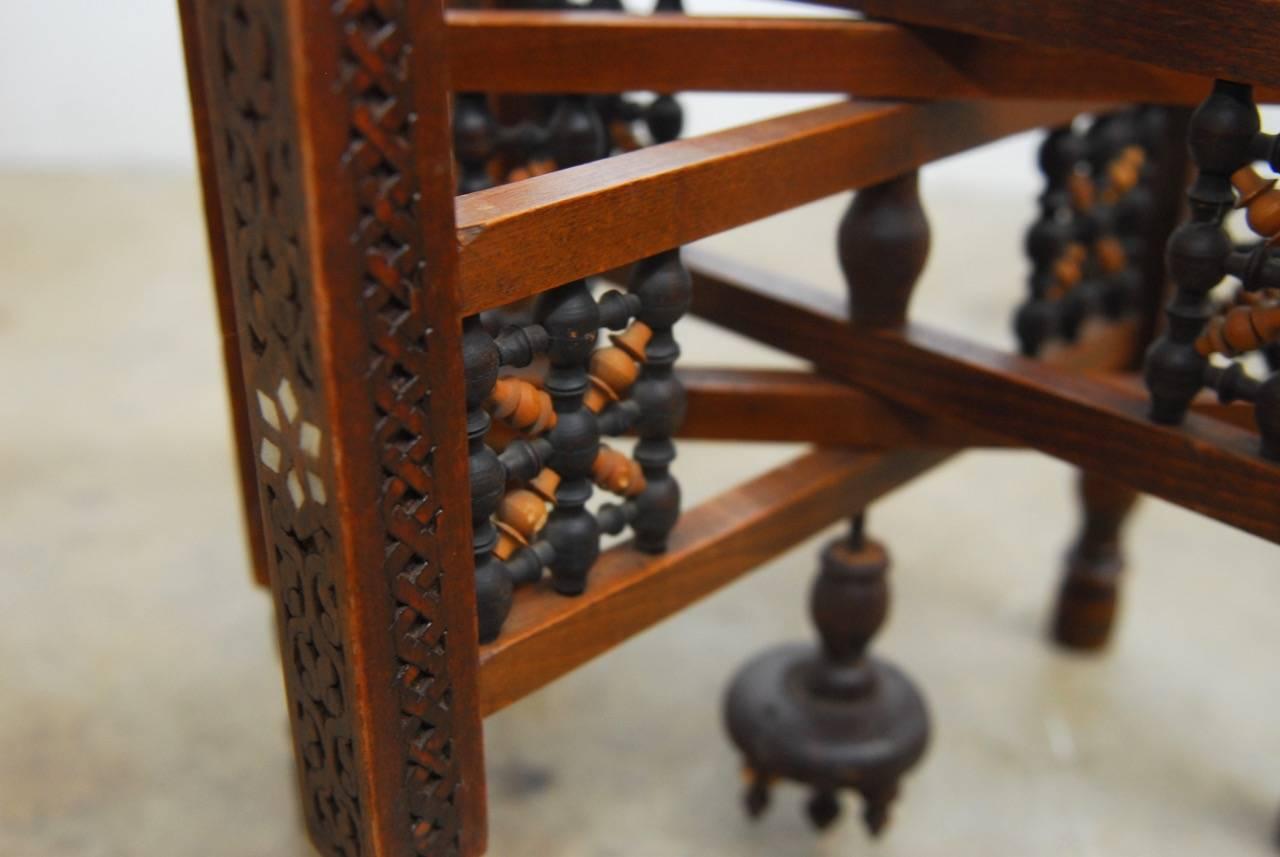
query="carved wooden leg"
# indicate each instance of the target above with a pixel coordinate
(1090, 590)
(833, 717)
(336, 258)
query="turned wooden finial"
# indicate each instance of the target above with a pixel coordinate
(1260, 199)
(613, 370)
(618, 473)
(522, 405)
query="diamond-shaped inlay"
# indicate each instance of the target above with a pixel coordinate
(293, 444)
(270, 455)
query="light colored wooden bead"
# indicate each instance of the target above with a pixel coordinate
(522, 405)
(1260, 199)
(618, 473)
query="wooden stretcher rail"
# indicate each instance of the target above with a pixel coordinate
(547, 635)
(1227, 38)
(535, 52)
(519, 239)
(1206, 465)
(790, 406)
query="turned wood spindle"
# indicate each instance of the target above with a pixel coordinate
(664, 288)
(1223, 131)
(487, 478)
(572, 320)
(883, 242)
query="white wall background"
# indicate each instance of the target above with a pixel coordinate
(100, 84)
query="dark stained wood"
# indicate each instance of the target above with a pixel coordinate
(337, 219)
(1225, 38)
(1089, 593)
(800, 407)
(1206, 465)
(548, 635)
(246, 456)
(535, 52)
(513, 238)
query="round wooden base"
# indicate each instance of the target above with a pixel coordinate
(782, 715)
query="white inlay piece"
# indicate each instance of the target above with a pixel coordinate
(309, 439)
(287, 401)
(270, 455)
(316, 486)
(269, 412)
(294, 484)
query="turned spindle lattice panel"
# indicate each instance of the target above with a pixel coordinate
(1207, 338)
(1088, 244)
(542, 391)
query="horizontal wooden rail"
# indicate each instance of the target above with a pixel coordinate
(790, 406)
(522, 238)
(547, 635)
(532, 51)
(1226, 38)
(1207, 465)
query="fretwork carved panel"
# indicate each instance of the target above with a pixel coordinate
(254, 144)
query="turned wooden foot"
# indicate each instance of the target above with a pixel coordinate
(1090, 591)
(829, 716)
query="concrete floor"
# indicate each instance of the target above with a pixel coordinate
(140, 699)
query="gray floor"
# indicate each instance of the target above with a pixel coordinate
(140, 701)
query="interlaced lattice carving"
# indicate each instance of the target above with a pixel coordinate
(256, 153)
(375, 75)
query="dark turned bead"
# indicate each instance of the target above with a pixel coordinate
(662, 402)
(480, 362)
(618, 308)
(664, 119)
(1266, 412)
(577, 135)
(1197, 256)
(1223, 128)
(575, 441)
(574, 535)
(668, 6)
(1047, 238)
(571, 319)
(494, 590)
(524, 459)
(1174, 374)
(1061, 150)
(883, 242)
(1075, 306)
(526, 565)
(618, 418)
(614, 518)
(488, 476)
(1232, 383)
(1035, 321)
(1108, 136)
(658, 505)
(664, 288)
(474, 140)
(517, 346)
